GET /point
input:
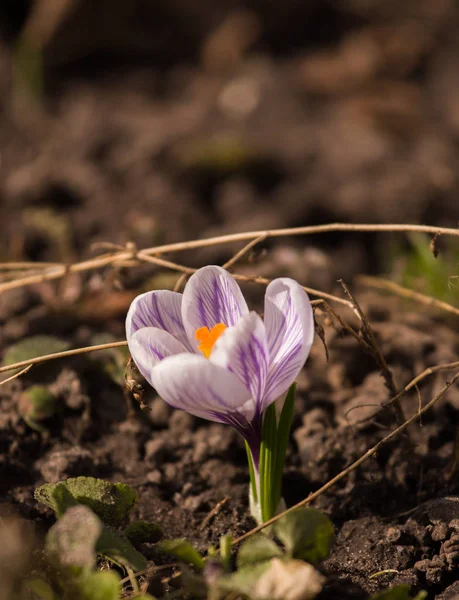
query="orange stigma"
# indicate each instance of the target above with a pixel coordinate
(209, 337)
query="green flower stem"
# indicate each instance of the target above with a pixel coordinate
(266, 480)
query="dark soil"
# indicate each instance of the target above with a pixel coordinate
(352, 117)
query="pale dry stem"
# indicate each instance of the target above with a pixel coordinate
(127, 254)
(369, 337)
(390, 286)
(369, 453)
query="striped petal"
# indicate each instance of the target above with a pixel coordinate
(192, 383)
(243, 350)
(161, 309)
(150, 345)
(289, 326)
(211, 296)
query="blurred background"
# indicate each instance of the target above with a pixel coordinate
(153, 121)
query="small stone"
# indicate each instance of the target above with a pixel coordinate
(180, 421)
(192, 503)
(155, 477)
(64, 463)
(439, 532)
(155, 450)
(159, 413)
(393, 534)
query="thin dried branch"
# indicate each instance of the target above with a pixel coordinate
(22, 372)
(127, 254)
(389, 286)
(233, 260)
(161, 262)
(412, 384)
(149, 571)
(182, 279)
(370, 338)
(369, 453)
(18, 266)
(46, 357)
(307, 230)
(246, 278)
(312, 291)
(324, 306)
(180, 282)
(216, 509)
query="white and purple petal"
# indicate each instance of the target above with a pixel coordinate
(150, 345)
(289, 326)
(159, 308)
(192, 383)
(211, 296)
(243, 350)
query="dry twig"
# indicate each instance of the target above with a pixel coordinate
(369, 337)
(22, 372)
(243, 251)
(389, 286)
(213, 512)
(371, 452)
(129, 253)
(46, 357)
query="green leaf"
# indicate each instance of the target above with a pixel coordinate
(71, 542)
(117, 548)
(141, 532)
(226, 548)
(399, 592)
(32, 347)
(306, 533)
(183, 550)
(243, 580)
(282, 437)
(253, 481)
(257, 548)
(37, 403)
(111, 360)
(62, 499)
(55, 496)
(268, 463)
(28, 70)
(274, 440)
(102, 585)
(112, 502)
(40, 588)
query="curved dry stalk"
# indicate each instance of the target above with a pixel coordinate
(326, 308)
(371, 452)
(149, 571)
(22, 372)
(412, 384)
(389, 286)
(369, 337)
(243, 251)
(245, 278)
(19, 265)
(129, 252)
(307, 230)
(46, 357)
(312, 291)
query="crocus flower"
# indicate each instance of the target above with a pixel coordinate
(205, 353)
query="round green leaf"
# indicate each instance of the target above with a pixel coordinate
(306, 533)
